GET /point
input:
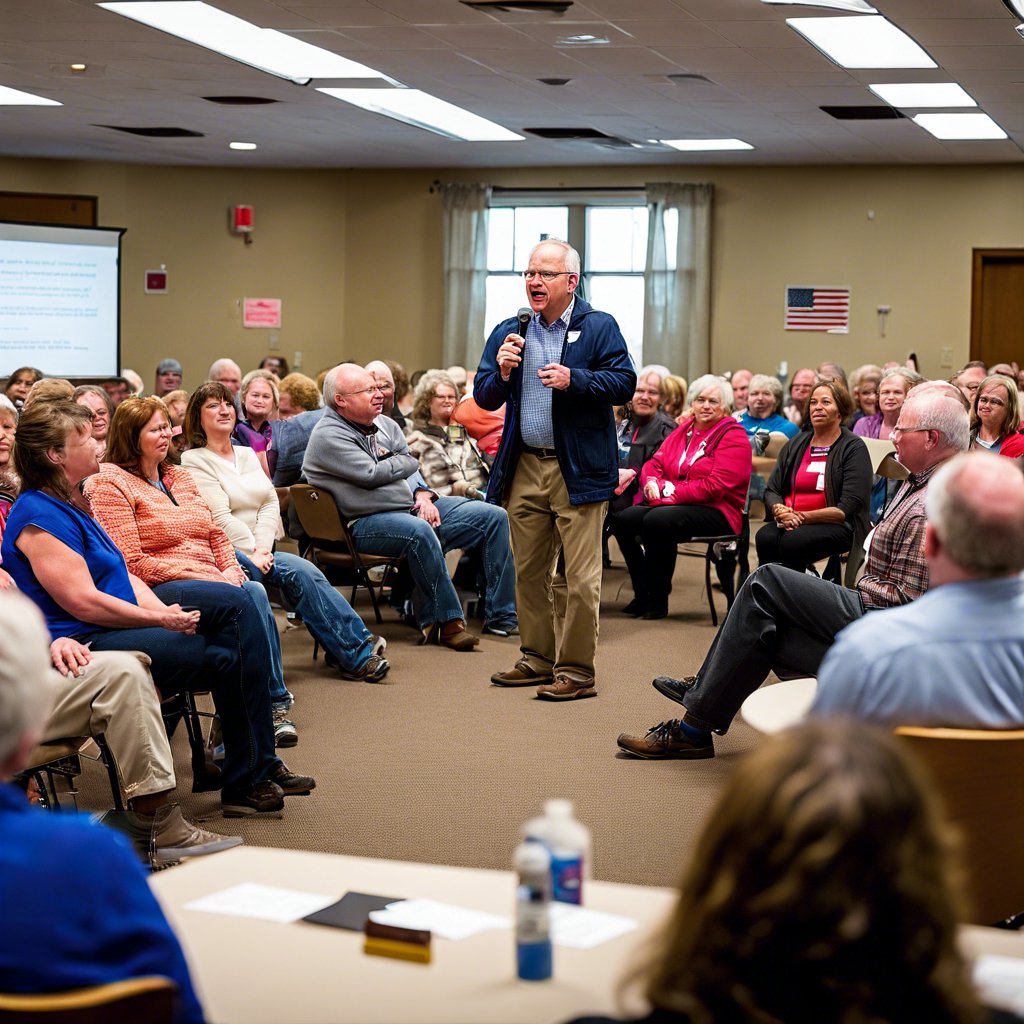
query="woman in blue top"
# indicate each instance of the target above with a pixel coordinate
(62, 559)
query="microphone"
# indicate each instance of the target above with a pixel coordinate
(525, 315)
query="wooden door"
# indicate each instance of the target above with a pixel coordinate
(997, 306)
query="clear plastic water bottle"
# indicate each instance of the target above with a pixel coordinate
(568, 843)
(532, 864)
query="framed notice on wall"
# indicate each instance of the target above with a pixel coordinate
(812, 308)
(261, 312)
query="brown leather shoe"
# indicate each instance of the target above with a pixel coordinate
(664, 742)
(566, 688)
(521, 674)
(455, 635)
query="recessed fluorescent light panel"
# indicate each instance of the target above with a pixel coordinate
(868, 42)
(923, 94)
(244, 146)
(860, 6)
(262, 48)
(1015, 7)
(422, 110)
(17, 98)
(960, 126)
(704, 145)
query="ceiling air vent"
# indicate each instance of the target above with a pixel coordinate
(556, 8)
(154, 133)
(685, 79)
(239, 101)
(591, 135)
(862, 113)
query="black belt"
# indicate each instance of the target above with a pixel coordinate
(541, 453)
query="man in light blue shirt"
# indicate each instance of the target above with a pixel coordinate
(955, 656)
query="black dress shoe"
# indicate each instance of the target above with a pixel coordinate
(290, 783)
(658, 611)
(636, 608)
(674, 689)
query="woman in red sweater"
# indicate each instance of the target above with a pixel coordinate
(695, 485)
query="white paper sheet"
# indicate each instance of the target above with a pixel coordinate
(1000, 982)
(262, 901)
(443, 919)
(581, 928)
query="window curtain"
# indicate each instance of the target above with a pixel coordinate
(677, 285)
(465, 272)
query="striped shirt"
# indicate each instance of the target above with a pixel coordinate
(543, 346)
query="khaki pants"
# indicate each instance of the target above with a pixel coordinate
(115, 695)
(558, 613)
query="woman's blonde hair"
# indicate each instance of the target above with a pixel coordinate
(426, 387)
(820, 890)
(123, 448)
(673, 394)
(303, 391)
(264, 375)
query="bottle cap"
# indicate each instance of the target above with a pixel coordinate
(558, 808)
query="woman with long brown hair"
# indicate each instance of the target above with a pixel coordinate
(820, 891)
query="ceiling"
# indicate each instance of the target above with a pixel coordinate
(755, 79)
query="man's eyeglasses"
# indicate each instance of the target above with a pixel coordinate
(987, 400)
(546, 275)
(362, 391)
(909, 430)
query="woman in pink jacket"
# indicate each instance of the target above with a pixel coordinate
(695, 485)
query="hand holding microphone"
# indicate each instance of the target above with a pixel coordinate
(510, 352)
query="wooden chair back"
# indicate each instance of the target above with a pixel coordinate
(978, 775)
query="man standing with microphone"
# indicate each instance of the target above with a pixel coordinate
(560, 366)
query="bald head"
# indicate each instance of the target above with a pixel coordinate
(228, 373)
(355, 394)
(932, 427)
(383, 376)
(975, 524)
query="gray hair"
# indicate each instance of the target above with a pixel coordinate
(378, 366)
(426, 386)
(724, 389)
(7, 405)
(332, 376)
(911, 378)
(27, 680)
(984, 537)
(773, 384)
(936, 411)
(656, 368)
(222, 364)
(572, 257)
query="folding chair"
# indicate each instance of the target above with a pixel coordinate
(331, 545)
(181, 707)
(61, 758)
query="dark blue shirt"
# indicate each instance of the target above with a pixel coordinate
(76, 908)
(84, 536)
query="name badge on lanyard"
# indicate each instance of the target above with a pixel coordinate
(819, 468)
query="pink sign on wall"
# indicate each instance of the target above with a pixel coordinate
(261, 312)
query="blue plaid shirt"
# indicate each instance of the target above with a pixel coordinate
(543, 346)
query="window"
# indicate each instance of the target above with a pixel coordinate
(611, 238)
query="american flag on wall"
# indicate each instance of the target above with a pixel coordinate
(818, 309)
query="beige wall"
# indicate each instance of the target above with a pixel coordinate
(355, 255)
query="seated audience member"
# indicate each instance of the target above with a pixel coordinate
(297, 394)
(154, 513)
(483, 425)
(168, 377)
(784, 621)
(9, 484)
(694, 485)
(740, 382)
(245, 506)
(277, 365)
(969, 378)
(799, 391)
(19, 384)
(117, 389)
(60, 557)
(291, 436)
(98, 402)
(864, 392)
(383, 376)
(259, 399)
(228, 373)
(818, 496)
(641, 434)
(764, 400)
(673, 397)
(460, 378)
(136, 387)
(400, 380)
(893, 389)
(955, 656)
(821, 890)
(833, 371)
(49, 389)
(362, 460)
(77, 908)
(995, 417)
(449, 461)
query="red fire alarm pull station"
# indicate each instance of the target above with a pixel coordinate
(241, 220)
(156, 282)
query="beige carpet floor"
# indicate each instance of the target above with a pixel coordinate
(437, 765)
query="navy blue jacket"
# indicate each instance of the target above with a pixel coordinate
(602, 376)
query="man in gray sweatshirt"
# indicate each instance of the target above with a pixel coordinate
(360, 457)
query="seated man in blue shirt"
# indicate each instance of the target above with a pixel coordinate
(76, 907)
(764, 402)
(955, 656)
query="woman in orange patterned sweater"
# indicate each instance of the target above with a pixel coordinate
(154, 513)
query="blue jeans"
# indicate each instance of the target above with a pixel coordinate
(464, 524)
(228, 656)
(327, 615)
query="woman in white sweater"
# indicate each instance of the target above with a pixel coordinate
(244, 504)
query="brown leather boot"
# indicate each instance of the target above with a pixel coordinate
(455, 635)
